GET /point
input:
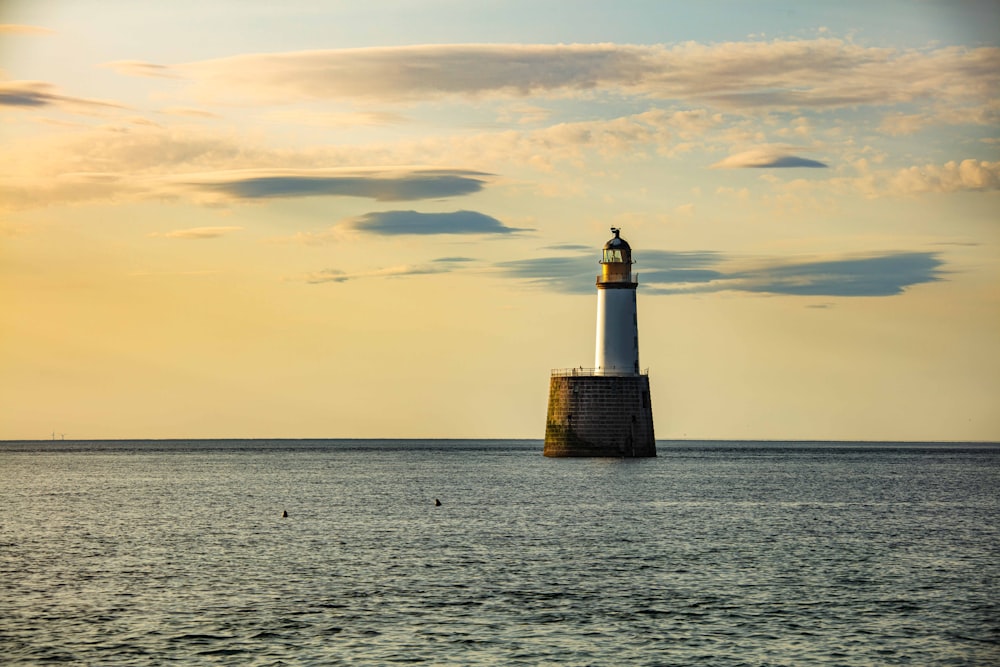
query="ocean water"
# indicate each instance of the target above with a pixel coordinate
(714, 553)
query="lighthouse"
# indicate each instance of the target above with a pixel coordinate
(605, 410)
(617, 349)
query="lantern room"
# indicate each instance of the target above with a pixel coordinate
(616, 263)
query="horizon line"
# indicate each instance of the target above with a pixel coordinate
(489, 439)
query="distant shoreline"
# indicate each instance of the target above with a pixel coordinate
(482, 441)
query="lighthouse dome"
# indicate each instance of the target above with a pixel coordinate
(617, 250)
(617, 243)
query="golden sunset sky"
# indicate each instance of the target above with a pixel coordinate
(383, 219)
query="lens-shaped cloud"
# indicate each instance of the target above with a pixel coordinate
(391, 185)
(394, 223)
(767, 157)
(881, 275)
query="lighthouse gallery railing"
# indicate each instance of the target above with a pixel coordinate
(581, 371)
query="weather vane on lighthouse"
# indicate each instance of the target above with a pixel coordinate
(605, 410)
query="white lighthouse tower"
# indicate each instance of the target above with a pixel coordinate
(605, 410)
(617, 349)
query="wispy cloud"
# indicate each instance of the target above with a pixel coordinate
(30, 94)
(140, 68)
(899, 124)
(664, 272)
(19, 29)
(902, 124)
(440, 265)
(394, 223)
(216, 166)
(196, 273)
(401, 73)
(567, 246)
(336, 119)
(198, 233)
(766, 157)
(380, 185)
(189, 111)
(781, 74)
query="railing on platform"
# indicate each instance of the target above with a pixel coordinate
(634, 281)
(589, 372)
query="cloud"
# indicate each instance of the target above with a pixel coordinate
(880, 275)
(336, 119)
(178, 149)
(414, 72)
(392, 223)
(140, 68)
(198, 233)
(388, 185)
(541, 148)
(974, 175)
(25, 192)
(899, 124)
(577, 274)
(216, 166)
(769, 157)
(570, 275)
(189, 111)
(115, 162)
(568, 246)
(33, 94)
(781, 74)
(969, 175)
(326, 276)
(666, 272)
(17, 29)
(440, 265)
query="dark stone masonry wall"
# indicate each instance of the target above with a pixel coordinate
(597, 415)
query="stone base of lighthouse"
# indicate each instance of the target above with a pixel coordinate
(599, 415)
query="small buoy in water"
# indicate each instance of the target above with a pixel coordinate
(284, 514)
(437, 503)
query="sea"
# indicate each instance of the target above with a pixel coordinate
(484, 552)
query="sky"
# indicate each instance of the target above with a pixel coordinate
(384, 219)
